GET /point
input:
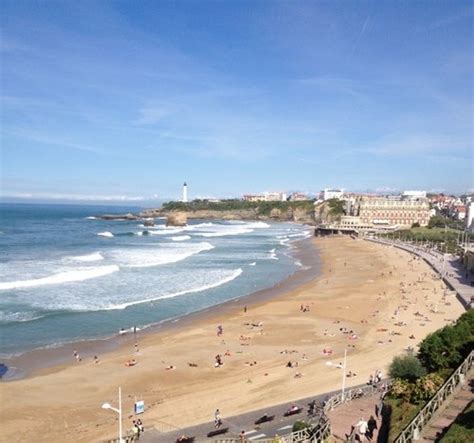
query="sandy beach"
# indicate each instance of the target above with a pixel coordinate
(373, 300)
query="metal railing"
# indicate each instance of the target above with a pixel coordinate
(312, 434)
(350, 395)
(320, 430)
(415, 427)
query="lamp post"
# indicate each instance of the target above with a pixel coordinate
(118, 411)
(344, 374)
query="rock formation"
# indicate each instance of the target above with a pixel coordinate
(177, 219)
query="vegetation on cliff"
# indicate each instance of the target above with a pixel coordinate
(260, 207)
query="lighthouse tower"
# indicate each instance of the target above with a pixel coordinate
(185, 193)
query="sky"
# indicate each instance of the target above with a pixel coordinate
(126, 100)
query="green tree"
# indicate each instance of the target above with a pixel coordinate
(426, 387)
(406, 367)
(437, 222)
(447, 347)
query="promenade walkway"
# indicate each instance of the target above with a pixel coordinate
(348, 415)
(448, 267)
(281, 425)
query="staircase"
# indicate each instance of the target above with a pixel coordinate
(440, 424)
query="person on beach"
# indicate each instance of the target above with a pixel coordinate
(220, 330)
(245, 309)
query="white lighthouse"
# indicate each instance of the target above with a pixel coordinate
(185, 193)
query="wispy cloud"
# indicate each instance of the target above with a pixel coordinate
(78, 197)
(451, 19)
(339, 85)
(56, 142)
(440, 147)
(153, 115)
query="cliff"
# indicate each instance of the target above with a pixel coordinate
(297, 215)
(177, 219)
(177, 213)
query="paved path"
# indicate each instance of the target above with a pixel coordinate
(347, 415)
(244, 422)
(447, 266)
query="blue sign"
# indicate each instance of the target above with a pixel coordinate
(139, 407)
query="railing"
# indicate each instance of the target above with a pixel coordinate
(352, 394)
(313, 434)
(416, 426)
(320, 430)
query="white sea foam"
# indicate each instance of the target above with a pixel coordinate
(155, 255)
(166, 231)
(253, 263)
(231, 275)
(13, 317)
(95, 256)
(225, 231)
(78, 274)
(105, 234)
(91, 218)
(181, 238)
(258, 225)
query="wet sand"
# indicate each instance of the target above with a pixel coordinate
(359, 290)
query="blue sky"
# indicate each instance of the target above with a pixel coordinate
(125, 100)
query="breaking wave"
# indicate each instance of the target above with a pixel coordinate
(166, 253)
(61, 277)
(232, 275)
(105, 234)
(95, 256)
(181, 238)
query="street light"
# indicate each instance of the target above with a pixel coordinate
(118, 411)
(344, 375)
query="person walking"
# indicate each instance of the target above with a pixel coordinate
(217, 419)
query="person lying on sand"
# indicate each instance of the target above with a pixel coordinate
(170, 368)
(132, 362)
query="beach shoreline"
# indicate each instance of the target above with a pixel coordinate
(35, 361)
(371, 300)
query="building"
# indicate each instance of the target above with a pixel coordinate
(327, 194)
(390, 212)
(252, 198)
(185, 193)
(298, 197)
(413, 195)
(274, 196)
(265, 197)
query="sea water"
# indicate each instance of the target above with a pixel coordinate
(66, 275)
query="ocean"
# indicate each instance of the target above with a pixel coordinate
(66, 276)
